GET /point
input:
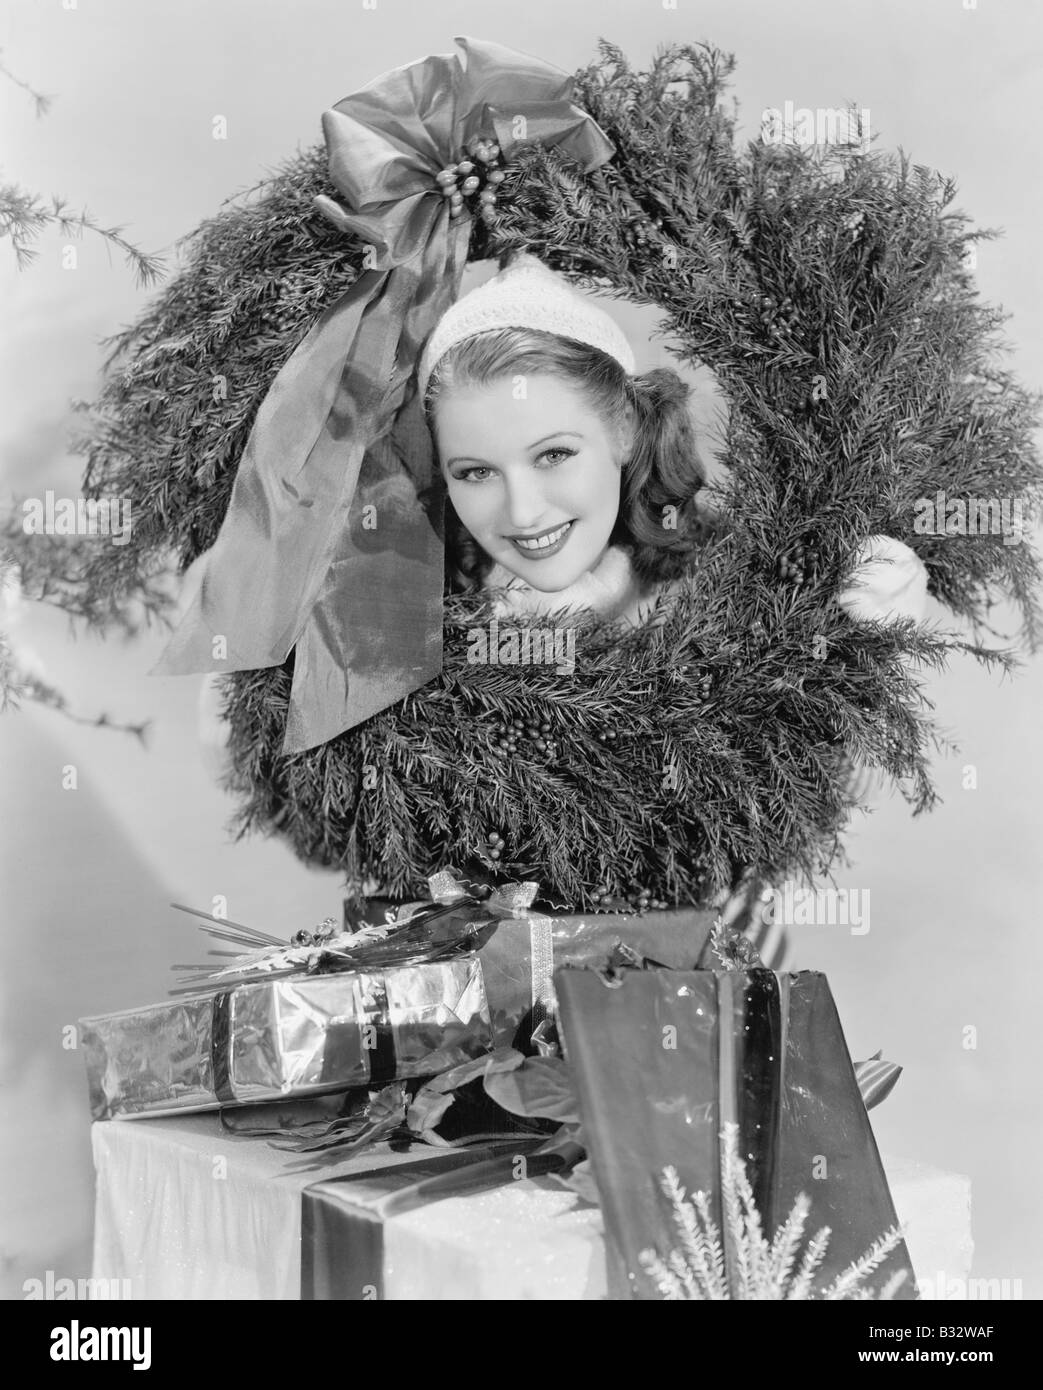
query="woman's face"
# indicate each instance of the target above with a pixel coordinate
(533, 474)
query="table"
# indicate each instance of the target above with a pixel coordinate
(185, 1210)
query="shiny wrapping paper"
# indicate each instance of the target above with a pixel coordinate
(440, 990)
(674, 937)
(759, 1049)
(292, 1036)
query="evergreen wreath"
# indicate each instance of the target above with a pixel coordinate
(830, 295)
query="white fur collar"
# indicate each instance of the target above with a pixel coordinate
(611, 589)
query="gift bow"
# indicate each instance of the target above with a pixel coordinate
(332, 542)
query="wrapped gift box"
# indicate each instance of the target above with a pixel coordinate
(663, 1060)
(300, 1034)
(519, 951)
(186, 1211)
(292, 1036)
(510, 954)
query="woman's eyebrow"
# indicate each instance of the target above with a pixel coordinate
(468, 458)
(575, 434)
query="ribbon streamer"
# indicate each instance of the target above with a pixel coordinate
(332, 543)
(343, 1219)
(514, 901)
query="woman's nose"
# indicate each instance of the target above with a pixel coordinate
(525, 505)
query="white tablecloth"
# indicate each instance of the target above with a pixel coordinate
(186, 1210)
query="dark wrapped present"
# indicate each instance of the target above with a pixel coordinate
(294, 1035)
(511, 960)
(665, 1062)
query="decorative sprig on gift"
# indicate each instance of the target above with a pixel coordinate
(698, 1268)
(731, 949)
(411, 933)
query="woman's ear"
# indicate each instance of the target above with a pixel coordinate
(626, 435)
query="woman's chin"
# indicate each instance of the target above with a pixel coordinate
(547, 576)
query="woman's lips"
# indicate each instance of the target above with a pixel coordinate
(539, 547)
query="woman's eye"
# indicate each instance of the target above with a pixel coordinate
(478, 473)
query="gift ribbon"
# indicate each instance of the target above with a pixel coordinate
(343, 1219)
(332, 542)
(221, 1046)
(751, 1010)
(375, 1023)
(514, 902)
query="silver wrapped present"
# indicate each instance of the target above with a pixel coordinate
(291, 1036)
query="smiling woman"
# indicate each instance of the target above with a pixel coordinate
(620, 469)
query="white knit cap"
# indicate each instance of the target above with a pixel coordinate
(525, 294)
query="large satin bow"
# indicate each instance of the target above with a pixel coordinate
(332, 542)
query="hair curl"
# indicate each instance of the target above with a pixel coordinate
(659, 523)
